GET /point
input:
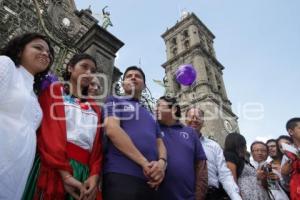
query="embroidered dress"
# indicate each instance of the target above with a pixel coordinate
(69, 139)
(20, 116)
(81, 122)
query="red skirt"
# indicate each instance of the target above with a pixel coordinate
(50, 185)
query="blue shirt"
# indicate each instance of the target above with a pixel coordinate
(184, 150)
(142, 129)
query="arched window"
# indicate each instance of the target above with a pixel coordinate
(174, 51)
(185, 34)
(187, 44)
(174, 41)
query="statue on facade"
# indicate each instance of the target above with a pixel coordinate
(106, 18)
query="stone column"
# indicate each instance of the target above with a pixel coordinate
(101, 44)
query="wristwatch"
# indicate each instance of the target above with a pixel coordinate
(165, 160)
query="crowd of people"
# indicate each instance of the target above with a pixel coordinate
(57, 142)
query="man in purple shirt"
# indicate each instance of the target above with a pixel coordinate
(135, 159)
(186, 174)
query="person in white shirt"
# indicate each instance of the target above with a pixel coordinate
(274, 178)
(259, 152)
(283, 139)
(259, 156)
(285, 162)
(218, 174)
(24, 62)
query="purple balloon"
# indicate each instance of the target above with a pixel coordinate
(186, 74)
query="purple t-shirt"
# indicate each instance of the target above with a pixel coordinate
(184, 149)
(142, 129)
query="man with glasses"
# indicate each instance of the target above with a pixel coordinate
(219, 176)
(259, 152)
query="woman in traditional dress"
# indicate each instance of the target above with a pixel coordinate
(69, 140)
(24, 62)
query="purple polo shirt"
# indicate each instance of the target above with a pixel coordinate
(142, 129)
(184, 149)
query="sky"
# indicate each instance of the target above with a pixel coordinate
(258, 43)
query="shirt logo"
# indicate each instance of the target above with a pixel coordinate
(162, 134)
(184, 135)
(128, 108)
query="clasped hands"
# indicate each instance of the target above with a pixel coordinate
(81, 191)
(155, 172)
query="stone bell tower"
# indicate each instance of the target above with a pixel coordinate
(189, 41)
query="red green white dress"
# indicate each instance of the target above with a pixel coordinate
(69, 139)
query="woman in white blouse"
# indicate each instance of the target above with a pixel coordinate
(24, 62)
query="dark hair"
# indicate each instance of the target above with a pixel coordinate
(136, 69)
(258, 142)
(16, 45)
(172, 102)
(270, 140)
(235, 142)
(278, 152)
(74, 60)
(292, 123)
(285, 137)
(193, 107)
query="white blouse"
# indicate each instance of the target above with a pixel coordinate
(20, 116)
(81, 122)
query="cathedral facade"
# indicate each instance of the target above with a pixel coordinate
(69, 30)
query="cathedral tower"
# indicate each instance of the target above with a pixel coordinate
(189, 41)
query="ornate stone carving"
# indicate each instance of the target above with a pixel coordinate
(62, 23)
(65, 27)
